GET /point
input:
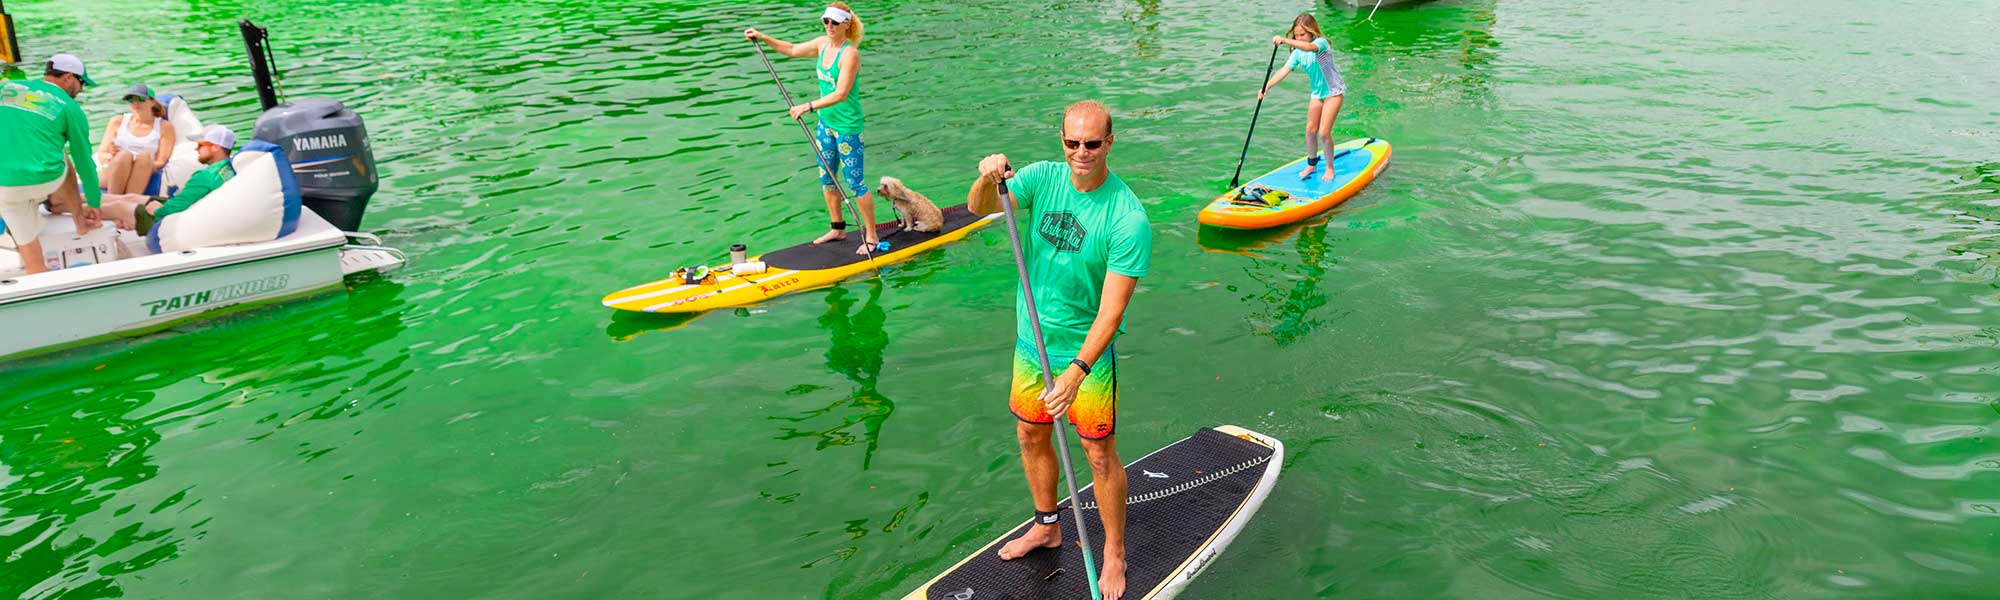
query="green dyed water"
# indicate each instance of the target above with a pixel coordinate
(1657, 300)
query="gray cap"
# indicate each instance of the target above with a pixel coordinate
(139, 90)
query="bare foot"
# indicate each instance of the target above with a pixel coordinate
(1042, 536)
(1308, 173)
(867, 247)
(831, 236)
(1329, 173)
(1111, 581)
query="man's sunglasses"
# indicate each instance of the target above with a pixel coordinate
(1088, 144)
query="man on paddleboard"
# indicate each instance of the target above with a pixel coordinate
(1089, 246)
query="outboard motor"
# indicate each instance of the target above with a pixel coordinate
(326, 142)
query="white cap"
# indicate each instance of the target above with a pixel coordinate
(220, 136)
(69, 63)
(838, 16)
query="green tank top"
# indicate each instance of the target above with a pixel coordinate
(844, 117)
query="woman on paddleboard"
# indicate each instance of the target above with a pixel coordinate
(837, 65)
(1314, 55)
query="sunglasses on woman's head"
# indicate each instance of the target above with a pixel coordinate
(1088, 144)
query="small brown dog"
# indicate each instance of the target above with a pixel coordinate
(917, 212)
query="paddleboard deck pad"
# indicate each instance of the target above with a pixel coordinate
(1185, 503)
(798, 268)
(1355, 165)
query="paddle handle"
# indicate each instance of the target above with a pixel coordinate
(1237, 179)
(1048, 381)
(818, 156)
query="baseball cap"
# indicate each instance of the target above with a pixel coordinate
(139, 90)
(69, 63)
(220, 136)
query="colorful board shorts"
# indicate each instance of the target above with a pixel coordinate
(1095, 411)
(843, 151)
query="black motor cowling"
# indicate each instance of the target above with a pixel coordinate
(326, 143)
(328, 147)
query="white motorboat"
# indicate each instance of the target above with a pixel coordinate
(69, 307)
(262, 237)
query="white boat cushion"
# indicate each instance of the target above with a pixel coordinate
(259, 204)
(183, 162)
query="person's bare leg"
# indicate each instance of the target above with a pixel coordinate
(1312, 137)
(1108, 484)
(119, 208)
(117, 171)
(31, 256)
(1329, 114)
(142, 173)
(67, 198)
(833, 215)
(867, 205)
(1038, 460)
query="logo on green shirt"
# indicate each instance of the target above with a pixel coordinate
(28, 99)
(1063, 232)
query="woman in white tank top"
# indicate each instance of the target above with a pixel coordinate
(136, 144)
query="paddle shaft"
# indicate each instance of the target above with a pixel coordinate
(1237, 179)
(1048, 382)
(818, 155)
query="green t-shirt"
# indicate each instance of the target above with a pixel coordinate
(198, 186)
(1073, 239)
(37, 119)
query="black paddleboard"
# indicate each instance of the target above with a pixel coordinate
(1185, 503)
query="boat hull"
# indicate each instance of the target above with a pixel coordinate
(70, 307)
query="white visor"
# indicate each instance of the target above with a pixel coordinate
(838, 16)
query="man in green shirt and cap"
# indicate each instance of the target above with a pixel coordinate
(139, 212)
(38, 121)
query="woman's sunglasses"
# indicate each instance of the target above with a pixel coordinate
(832, 22)
(1087, 144)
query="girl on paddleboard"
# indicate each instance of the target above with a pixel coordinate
(837, 66)
(1314, 55)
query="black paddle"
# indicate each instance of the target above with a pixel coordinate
(1049, 379)
(1237, 179)
(817, 156)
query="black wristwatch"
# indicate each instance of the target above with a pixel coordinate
(1078, 362)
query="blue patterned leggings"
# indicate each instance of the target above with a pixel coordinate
(843, 151)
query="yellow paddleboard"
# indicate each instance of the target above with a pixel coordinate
(798, 268)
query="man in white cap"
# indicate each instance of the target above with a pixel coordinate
(38, 120)
(140, 212)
